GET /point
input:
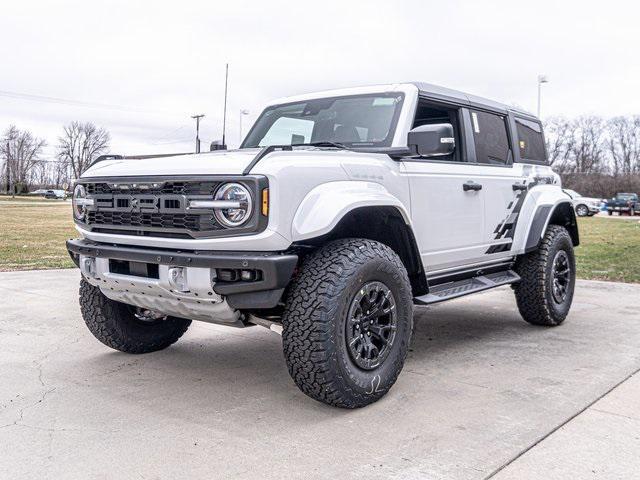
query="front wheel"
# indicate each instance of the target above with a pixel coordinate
(548, 276)
(125, 328)
(348, 323)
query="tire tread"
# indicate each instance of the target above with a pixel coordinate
(530, 292)
(308, 342)
(107, 319)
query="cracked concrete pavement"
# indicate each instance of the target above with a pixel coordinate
(482, 394)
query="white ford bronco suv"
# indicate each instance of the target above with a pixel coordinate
(340, 211)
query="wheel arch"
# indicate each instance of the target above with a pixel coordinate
(561, 213)
(326, 204)
(385, 224)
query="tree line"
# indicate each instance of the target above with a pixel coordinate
(24, 167)
(595, 156)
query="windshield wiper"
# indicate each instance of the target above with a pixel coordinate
(321, 144)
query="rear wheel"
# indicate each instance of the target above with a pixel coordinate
(126, 328)
(548, 276)
(348, 323)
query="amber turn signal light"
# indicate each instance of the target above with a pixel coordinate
(265, 202)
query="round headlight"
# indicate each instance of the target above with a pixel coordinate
(236, 215)
(79, 209)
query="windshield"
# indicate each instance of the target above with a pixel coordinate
(354, 121)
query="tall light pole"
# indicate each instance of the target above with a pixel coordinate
(242, 112)
(197, 119)
(224, 115)
(541, 79)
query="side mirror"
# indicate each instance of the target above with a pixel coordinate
(434, 140)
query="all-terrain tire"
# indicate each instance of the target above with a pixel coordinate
(534, 293)
(115, 324)
(315, 322)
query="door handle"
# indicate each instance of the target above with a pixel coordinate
(519, 186)
(471, 186)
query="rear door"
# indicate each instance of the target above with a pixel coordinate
(503, 183)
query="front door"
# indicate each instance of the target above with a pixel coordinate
(447, 216)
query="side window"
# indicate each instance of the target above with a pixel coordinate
(429, 113)
(530, 140)
(491, 138)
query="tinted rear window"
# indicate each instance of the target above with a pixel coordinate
(491, 139)
(530, 140)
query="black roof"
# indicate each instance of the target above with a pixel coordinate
(448, 94)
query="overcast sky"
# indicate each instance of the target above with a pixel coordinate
(140, 69)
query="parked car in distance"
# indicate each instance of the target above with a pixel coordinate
(624, 203)
(50, 193)
(584, 206)
(55, 194)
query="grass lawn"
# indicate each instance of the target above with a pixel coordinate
(609, 249)
(33, 236)
(27, 198)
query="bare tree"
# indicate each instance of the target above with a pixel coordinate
(588, 150)
(80, 144)
(560, 137)
(623, 143)
(21, 151)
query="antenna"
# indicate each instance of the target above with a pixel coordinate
(224, 116)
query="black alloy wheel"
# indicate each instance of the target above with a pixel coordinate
(561, 271)
(371, 325)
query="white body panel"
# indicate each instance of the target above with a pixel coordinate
(311, 189)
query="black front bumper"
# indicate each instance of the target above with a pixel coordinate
(276, 268)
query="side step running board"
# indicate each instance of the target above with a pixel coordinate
(447, 291)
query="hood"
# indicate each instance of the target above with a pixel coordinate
(231, 162)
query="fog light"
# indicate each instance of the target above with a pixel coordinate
(178, 279)
(248, 275)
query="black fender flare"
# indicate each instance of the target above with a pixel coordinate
(562, 214)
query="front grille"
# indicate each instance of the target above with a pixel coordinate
(195, 223)
(155, 206)
(150, 206)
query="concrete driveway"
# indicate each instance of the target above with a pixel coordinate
(483, 394)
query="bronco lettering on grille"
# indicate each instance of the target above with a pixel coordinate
(140, 203)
